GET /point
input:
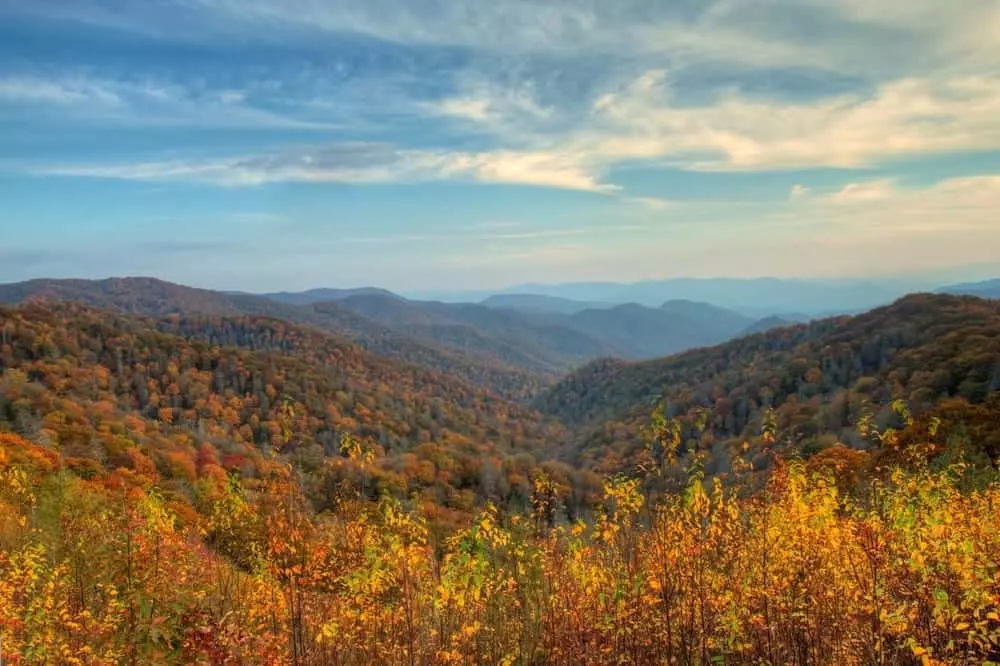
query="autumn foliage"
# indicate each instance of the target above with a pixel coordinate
(181, 501)
(104, 571)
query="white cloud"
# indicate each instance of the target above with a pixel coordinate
(653, 203)
(503, 242)
(144, 101)
(483, 102)
(643, 122)
(902, 118)
(543, 136)
(883, 208)
(640, 123)
(355, 163)
(903, 229)
(799, 192)
(861, 193)
(69, 91)
(759, 33)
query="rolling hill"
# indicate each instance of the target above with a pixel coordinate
(767, 324)
(247, 387)
(149, 296)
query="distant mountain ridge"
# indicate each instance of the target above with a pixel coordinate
(322, 294)
(755, 297)
(543, 343)
(512, 351)
(540, 303)
(984, 289)
(153, 297)
(552, 341)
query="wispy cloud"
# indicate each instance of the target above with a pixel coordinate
(653, 203)
(716, 30)
(69, 91)
(499, 237)
(883, 207)
(144, 101)
(799, 192)
(899, 119)
(172, 247)
(356, 162)
(643, 123)
(494, 225)
(551, 254)
(566, 91)
(501, 109)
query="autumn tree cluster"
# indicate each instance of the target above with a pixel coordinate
(239, 490)
(813, 568)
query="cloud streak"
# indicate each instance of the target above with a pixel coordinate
(883, 208)
(145, 102)
(558, 95)
(358, 163)
(640, 124)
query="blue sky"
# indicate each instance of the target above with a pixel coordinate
(427, 144)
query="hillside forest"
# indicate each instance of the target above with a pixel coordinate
(193, 477)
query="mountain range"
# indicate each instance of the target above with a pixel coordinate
(791, 298)
(597, 370)
(460, 403)
(511, 350)
(193, 458)
(984, 289)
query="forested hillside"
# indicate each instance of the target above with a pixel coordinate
(150, 296)
(112, 391)
(820, 379)
(526, 333)
(824, 565)
(553, 342)
(543, 343)
(194, 488)
(511, 352)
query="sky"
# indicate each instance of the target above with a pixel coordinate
(432, 144)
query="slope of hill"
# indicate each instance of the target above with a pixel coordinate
(544, 343)
(551, 342)
(766, 324)
(136, 295)
(984, 289)
(154, 297)
(249, 387)
(320, 295)
(819, 377)
(722, 323)
(172, 505)
(643, 332)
